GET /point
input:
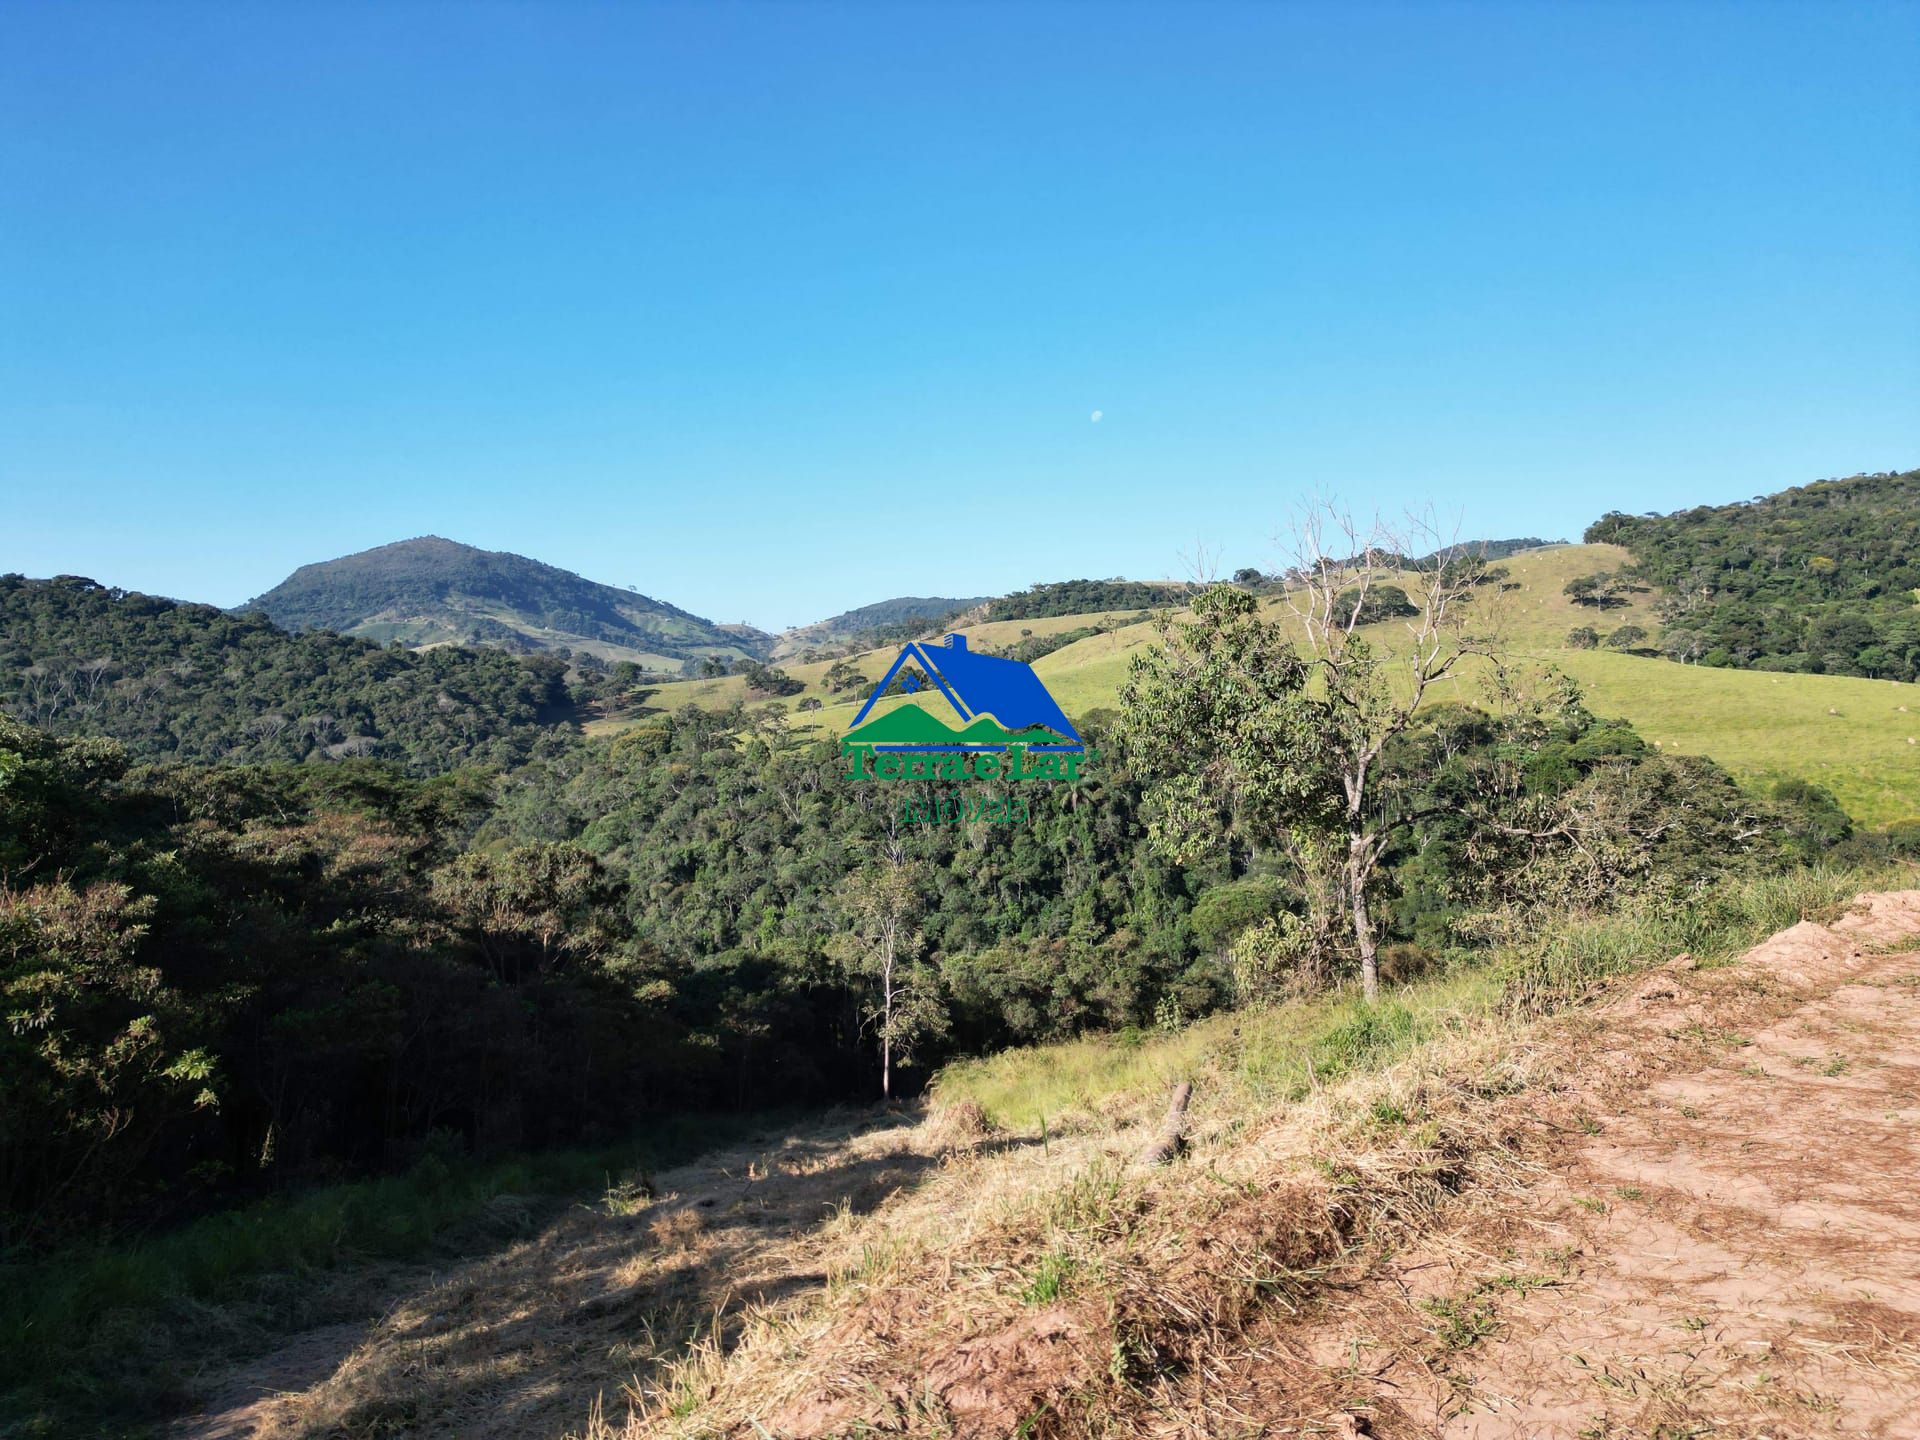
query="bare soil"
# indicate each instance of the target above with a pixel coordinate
(1727, 1249)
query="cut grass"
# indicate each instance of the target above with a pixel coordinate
(90, 1337)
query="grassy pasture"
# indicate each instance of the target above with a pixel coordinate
(1852, 736)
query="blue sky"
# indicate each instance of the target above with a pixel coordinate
(778, 309)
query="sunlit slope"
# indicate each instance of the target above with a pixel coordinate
(1856, 737)
(1758, 725)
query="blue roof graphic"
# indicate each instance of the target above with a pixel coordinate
(979, 685)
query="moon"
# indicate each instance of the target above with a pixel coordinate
(1096, 416)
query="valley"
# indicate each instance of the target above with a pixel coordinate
(996, 721)
(388, 938)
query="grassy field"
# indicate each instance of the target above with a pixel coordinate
(1859, 738)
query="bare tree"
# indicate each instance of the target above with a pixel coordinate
(1346, 576)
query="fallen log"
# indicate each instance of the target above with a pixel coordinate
(1173, 1131)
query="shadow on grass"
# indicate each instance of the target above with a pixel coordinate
(99, 1339)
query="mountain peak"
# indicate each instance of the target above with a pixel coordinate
(430, 590)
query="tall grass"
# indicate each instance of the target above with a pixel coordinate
(87, 1343)
(1281, 1052)
(1563, 961)
(1275, 1052)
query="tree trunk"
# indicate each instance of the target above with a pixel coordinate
(886, 1024)
(1362, 922)
(1173, 1133)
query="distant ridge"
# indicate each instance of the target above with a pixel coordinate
(434, 591)
(882, 615)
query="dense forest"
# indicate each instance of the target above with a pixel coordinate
(190, 682)
(1822, 578)
(223, 980)
(473, 928)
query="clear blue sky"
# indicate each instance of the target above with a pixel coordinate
(777, 309)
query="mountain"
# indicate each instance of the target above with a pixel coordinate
(902, 613)
(432, 591)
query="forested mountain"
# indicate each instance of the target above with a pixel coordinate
(432, 591)
(1486, 549)
(191, 682)
(902, 611)
(1821, 578)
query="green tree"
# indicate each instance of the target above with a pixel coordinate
(1285, 743)
(530, 904)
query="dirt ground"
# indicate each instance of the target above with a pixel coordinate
(1728, 1250)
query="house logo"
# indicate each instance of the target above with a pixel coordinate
(1003, 726)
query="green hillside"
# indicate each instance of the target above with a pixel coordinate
(1760, 726)
(1819, 579)
(191, 682)
(431, 591)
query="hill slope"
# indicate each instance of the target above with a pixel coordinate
(1369, 1214)
(1855, 736)
(1822, 578)
(190, 682)
(840, 629)
(432, 591)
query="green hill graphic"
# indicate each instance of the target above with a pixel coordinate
(910, 725)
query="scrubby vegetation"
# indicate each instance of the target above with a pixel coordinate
(1822, 578)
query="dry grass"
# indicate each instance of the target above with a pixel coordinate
(1140, 1274)
(1050, 1285)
